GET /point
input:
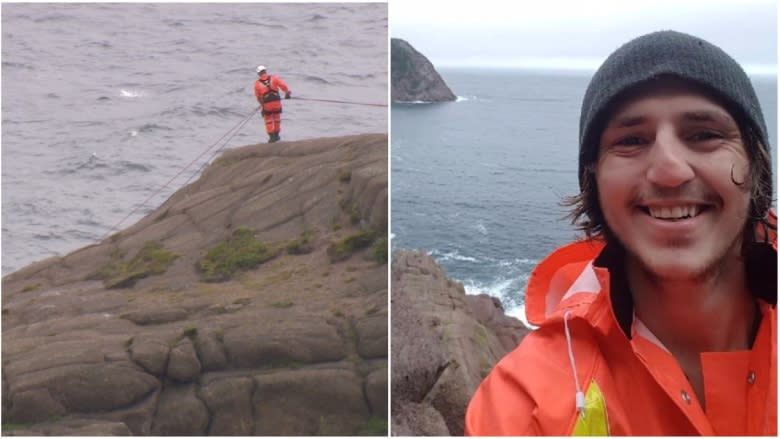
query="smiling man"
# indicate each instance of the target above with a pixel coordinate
(663, 320)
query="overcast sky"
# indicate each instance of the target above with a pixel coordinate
(578, 34)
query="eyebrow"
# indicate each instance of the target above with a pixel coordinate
(627, 121)
(709, 116)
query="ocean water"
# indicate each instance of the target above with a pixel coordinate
(103, 104)
(477, 183)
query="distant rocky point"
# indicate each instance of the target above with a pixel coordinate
(444, 343)
(414, 79)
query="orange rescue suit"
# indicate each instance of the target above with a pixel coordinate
(267, 92)
(632, 385)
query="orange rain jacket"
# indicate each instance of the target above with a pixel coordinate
(627, 385)
(267, 93)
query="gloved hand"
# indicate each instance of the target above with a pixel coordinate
(288, 95)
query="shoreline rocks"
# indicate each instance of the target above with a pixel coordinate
(444, 342)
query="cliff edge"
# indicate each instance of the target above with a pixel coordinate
(413, 77)
(252, 302)
(444, 342)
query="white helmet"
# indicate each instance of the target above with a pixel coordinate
(260, 68)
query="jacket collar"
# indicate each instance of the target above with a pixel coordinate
(556, 284)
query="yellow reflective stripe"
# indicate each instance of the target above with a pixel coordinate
(594, 422)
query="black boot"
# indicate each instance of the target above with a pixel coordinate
(276, 137)
(272, 138)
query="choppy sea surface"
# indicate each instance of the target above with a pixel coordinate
(477, 183)
(103, 104)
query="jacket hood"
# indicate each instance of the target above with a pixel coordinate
(568, 270)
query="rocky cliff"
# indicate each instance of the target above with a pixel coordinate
(413, 77)
(444, 343)
(252, 302)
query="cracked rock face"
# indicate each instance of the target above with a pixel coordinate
(444, 343)
(413, 77)
(296, 346)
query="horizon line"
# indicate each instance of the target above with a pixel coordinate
(583, 65)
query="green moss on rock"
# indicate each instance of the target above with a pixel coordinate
(152, 259)
(345, 176)
(354, 215)
(375, 426)
(242, 251)
(283, 304)
(228, 161)
(343, 249)
(303, 244)
(29, 288)
(14, 427)
(380, 251)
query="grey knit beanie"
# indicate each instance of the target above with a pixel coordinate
(665, 53)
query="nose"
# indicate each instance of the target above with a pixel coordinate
(669, 160)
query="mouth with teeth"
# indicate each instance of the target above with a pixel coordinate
(674, 213)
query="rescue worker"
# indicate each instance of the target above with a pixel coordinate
(662, 320)
(267, 90)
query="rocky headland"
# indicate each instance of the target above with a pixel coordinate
(444, 342)
(413, 77)
(252, 302)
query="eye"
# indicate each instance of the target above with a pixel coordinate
(630, 141)
(703, 136)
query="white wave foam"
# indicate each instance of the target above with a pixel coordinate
(482, 229)
(499, 288)
(518, 261)
(451, 256)
(518, 312)
(495, 289)
(462, 98)
(129, 93)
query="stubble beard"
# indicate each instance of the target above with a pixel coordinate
(657, 272)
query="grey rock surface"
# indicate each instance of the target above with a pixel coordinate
(293, 346)
(443, 344)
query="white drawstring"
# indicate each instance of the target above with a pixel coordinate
(579, 397)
